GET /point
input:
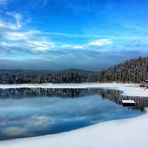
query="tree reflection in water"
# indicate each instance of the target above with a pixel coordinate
(112, 95)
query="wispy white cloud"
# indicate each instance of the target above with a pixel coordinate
(72, 46)
(17, 17)
(96, 43)
(41, 45)
(28, 39)
(13, 33)
(9, 25)
(65, 46)
(19, 35)
(3, 44)
(100, 42)
(78, 46)
(16, 35)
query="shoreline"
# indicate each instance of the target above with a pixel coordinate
(127, 89)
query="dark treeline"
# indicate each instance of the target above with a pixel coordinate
(41, 76)
(135, 71)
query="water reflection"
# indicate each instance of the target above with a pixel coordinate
(32, 112)
(112, 95)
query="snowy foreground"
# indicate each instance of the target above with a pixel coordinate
(132, 132)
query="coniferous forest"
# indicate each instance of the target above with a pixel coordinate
(135, 71)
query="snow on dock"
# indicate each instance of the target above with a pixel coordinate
(128, 102)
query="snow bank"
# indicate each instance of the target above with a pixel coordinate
(127, 89)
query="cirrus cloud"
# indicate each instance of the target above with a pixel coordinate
(41, 46)
(100, 42)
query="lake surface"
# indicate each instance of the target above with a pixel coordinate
(28, 112)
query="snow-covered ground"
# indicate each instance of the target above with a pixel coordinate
(132, 132)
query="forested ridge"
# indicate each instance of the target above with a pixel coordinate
(134, 70)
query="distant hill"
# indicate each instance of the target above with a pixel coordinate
(135, 71)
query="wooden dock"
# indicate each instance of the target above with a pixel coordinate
(128, 103)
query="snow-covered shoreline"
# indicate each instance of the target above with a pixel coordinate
(127, 89)
(123, 133)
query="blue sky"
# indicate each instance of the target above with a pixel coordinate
(62, 34)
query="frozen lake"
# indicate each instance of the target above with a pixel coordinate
(26, 112)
